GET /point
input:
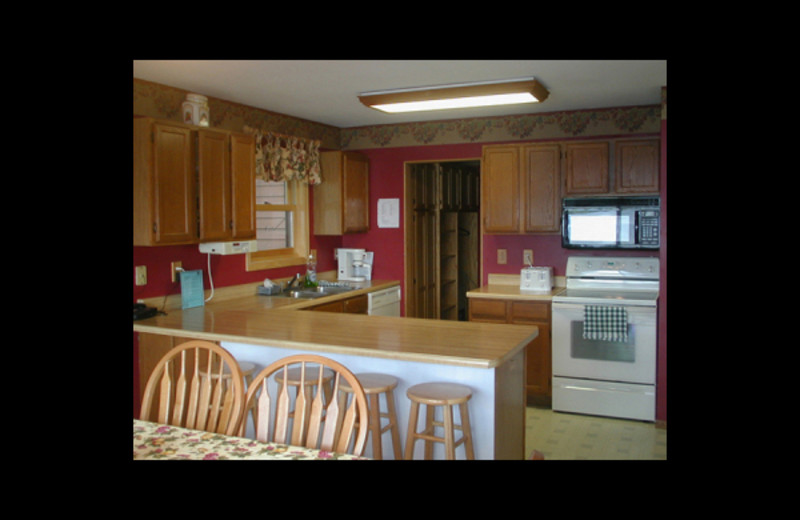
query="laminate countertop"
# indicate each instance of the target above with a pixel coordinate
(280, 322)
(506, 287)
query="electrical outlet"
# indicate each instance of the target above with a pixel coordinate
(173, 269)
(527, 257)
(502, 256)
(141, 275)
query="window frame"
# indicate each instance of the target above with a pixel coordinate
(287, 256)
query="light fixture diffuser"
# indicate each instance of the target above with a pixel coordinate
(463, 95)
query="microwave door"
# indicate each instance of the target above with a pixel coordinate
(592, 227)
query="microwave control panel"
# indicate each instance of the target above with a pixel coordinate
(649, 227)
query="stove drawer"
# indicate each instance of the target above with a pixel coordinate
(610, 399)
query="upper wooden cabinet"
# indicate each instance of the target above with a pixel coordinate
(637, 165)
(520, 188)
(191, 184)
(586, 168)
(164, 187)
(341, 201)
(226, 177)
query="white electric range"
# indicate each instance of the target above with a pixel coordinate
(613, 374)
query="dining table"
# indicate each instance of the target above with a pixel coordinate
(155, 441)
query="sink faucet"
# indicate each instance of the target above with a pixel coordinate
(292, 281)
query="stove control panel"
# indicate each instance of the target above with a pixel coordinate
(612, 267)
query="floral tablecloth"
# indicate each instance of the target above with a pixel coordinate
(152, 441)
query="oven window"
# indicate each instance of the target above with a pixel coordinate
(581, 348)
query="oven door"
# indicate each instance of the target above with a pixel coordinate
(633, 361)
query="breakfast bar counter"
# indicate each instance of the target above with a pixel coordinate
(487, 357)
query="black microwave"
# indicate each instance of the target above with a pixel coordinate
(611, 223)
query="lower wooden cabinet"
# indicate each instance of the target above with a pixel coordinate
(354, 305)
(538, 383)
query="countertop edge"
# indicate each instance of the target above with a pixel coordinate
(512, 293)
(340, 349)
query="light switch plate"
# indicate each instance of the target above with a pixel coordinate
(502, 256)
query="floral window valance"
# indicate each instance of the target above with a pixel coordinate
(283, 157)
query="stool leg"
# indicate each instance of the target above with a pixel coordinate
(449, 434)
(412, 430)
(429, 430)
(398, 451)
(466, 431)
(375, 426)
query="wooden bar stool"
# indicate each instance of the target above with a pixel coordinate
(445, 395)
(375, 385)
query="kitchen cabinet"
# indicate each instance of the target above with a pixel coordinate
(538, 368)
(354, 305)
(341, 201)
(191, 184)
(637, 165)
(586, 168)
(520, 188)
(226, 185)
(164, 187)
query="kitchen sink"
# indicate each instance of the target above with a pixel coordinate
(315, 292)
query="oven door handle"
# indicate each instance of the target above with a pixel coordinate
(610, 387)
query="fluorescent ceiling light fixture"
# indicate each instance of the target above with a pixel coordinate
(462, 95)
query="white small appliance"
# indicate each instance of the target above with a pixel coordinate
(355, 265)
(536, 279)
(229, 248)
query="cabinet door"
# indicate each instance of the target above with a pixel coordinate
(356, 193)
(636, 166)
(174, 204)
(586, 168)
(356, 305)
(500, 189)
(214, 184)
(542, 167)
(243, 185)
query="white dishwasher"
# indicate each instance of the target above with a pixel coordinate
(385, 302)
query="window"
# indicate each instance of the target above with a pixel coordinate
(281, 225)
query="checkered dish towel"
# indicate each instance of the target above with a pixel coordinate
(605, 323)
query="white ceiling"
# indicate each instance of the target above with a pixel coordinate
(326, 91)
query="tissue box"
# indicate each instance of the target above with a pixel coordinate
(268, 291)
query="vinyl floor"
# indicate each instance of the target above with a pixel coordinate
(565, 436)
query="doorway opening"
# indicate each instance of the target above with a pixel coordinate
(442, 250)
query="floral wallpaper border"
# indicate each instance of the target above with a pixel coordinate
(553, 125)
(164, 102)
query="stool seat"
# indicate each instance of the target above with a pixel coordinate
(372, 383)
(439, 394)
(312, 375)
(445, 395)
(246, 367)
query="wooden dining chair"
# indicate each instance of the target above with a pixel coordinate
(330, 426)
(187, 389)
